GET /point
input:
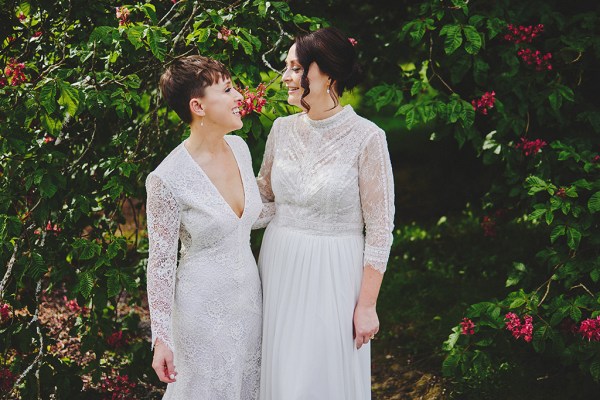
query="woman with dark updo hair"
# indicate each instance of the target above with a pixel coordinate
(327, 174)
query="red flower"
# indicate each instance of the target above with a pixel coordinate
(123, 15)
(561, 192)
(485, 103)
(116, 340)
(530, 147)
(22, 17)
(596, 159)
(519, 330)
(522, 34)
(72, 304)
(4, 312)
(467, 327)
(37, 34)
(55, 229)
(489, 226)
(119, 386)
(14, 71)
(536, 59)
(252, 101)
(353, 41)
(224, 33)
(48, 139)
(590, 329)
(7, 380)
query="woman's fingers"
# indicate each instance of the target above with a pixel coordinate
(163, 364)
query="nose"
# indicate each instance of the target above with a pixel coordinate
(286, 77)
(238, 96)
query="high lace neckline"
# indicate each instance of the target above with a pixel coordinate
(330, 122)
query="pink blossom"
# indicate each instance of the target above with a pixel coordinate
(536, 59)
(522, 34)
(22, 17)
(7, 380)
(561, 192)
(116, 340)
(489, 226)
(486, 102)
(15, 72)
(590, 329)
(353, 41)
(596, 159)
(123, 15)
(120, 387)
(253, 102)
(467, 327)
(48, 139)
(530, 147)
(72, 304)
(519, 329)
(4, 312)
(224, 33)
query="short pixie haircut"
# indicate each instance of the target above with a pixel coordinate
(186, 78)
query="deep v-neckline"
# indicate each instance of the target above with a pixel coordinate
(219, 194)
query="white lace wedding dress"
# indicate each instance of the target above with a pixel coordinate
(329, 180)
(207, 308)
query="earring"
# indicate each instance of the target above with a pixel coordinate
(327, 90)
(202, 122)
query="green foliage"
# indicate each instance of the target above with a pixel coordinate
(551, 185)
(78, 133)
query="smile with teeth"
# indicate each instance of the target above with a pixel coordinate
(236, 111)
(292, 89)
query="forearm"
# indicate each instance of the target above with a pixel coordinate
(369, 289)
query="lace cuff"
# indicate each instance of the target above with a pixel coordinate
(376, 258)
(266, 215)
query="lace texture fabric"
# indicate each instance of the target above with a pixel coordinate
(331, 177)
(206, 303)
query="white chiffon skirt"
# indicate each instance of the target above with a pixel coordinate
(311, 283)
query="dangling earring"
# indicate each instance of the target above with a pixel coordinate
(328, 89)
(202, 122)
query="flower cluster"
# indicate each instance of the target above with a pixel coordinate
(590, 329)
(224, 33)
(536, 59)
(522, 34)
(467, 327)
(489, 226)
(4, 312)
(22, 17)
(596, 159)
(14, 71)
(118, 387)
(561, 192)
(7, 380)
(116, 340)
(123, 15)
(48, 138)
(519, 329)
(530, 147)
(353, 41)
(50, 228)
(252, 101)
(485, 103)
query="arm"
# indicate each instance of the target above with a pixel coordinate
(376, 185)
(163, 217)
(264, 183)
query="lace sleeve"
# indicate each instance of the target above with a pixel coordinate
(376, 185)
(163, 218)
(264, 182)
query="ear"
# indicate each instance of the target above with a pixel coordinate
(196, 107)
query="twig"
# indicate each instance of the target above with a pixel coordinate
(277, 43)
(9, 268)
(431, 63)
(185, 26)
(581, 285)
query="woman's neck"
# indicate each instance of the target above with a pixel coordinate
(322, 112)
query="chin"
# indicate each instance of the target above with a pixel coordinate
(293, 101)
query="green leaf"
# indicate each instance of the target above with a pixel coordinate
(516, 303)
(594, 203)
(86, 284)
(537, 213)
(559, 230)
(454, 38)
(48, 96)
(474, 41)
(37, 266)
(102, 34)
(158, 43)
(573, 238)
(575, 313)
(135, 34)
(150, 11)
(69, 97)
(595, 370)
(450, 364)
(452, 339)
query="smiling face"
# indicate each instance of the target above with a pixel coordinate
(292, 77)
(219, 107)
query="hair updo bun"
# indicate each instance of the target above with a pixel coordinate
(335, 55)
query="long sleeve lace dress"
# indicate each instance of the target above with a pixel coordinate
(332, 185)
(207, 307)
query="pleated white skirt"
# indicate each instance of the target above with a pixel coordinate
(311, 283)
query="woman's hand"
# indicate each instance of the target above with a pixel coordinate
(162, 362)
(366, 324)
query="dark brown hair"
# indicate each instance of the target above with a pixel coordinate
(335, 56)
(186, 78)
